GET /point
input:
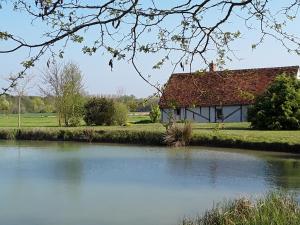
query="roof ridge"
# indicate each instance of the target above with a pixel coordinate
(245, 69)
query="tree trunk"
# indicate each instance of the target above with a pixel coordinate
(19, 111)
(59, 118)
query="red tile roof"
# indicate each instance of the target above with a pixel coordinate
(228, 87)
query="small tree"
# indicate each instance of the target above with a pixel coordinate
(154, 114)
(64, 84)
(99, 111)
(279, 107)
(120, 113)
(73, 101)
(20, 90)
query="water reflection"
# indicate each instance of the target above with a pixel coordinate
(217, 168)
(114, 184)
(284, 174)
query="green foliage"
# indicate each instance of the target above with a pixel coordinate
(28, 63)
(38, 105)
(132, 105)
(274, 208)
(4, 104)
(64, 86)
(29, 104)
(279, 107)
(237, 135)
(155, 114)
(72, 95)
(99, 111)
(120, 113)
(137, 104)
(74, 120)
(104, 111)
(84, 135)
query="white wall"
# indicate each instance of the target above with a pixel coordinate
(206, 114)
(204, 111)
(235, 112)
(245, 113)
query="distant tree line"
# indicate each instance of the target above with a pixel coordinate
(30, 104)
(39, 104)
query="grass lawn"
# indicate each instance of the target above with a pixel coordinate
(29, 120)
(233, 131)
(49, 119)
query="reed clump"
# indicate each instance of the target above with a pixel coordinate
(275, 208)
(178, 135)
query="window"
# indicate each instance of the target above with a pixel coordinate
(219, 114)
(178, 111)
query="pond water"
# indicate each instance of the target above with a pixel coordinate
(46, 183)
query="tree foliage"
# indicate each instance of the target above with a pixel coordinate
(72, 98)
(120, 113)
(38, 105)
(179, 32)
(99, 111)
(4, 104)
(64, 84)
(154, 114)
(105, 111)
(279, 107)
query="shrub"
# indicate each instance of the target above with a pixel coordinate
(279, 107)
(120, 113)
(7, 134)
(99, 111)
(155, 114)
(178, 135)
(274, 208)
(74, 121)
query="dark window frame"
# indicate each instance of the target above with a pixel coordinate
(219, 114)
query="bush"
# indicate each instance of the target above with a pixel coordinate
(279, 107)
(155, 114)
(274, 208)
(99, 111)
(120, 113)
(74, 121)
(178, 135)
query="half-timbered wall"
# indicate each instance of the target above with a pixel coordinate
(235, 113)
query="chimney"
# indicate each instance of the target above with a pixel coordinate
(212, 67)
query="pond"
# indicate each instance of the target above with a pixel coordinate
(49, 183)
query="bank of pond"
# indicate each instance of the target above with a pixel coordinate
(80, 183)
(153, 137)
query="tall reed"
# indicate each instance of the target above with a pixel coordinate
(178, 135)
(275, 208)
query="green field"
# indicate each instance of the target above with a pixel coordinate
(48, 119)
(232, 131)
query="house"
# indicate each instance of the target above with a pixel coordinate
(216, 96)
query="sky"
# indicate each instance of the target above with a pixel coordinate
(98, 77)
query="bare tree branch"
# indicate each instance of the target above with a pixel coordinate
(177, 32)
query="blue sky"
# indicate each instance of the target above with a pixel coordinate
(98, 77)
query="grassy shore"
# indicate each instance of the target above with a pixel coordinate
(238, 135)
(274, 208)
